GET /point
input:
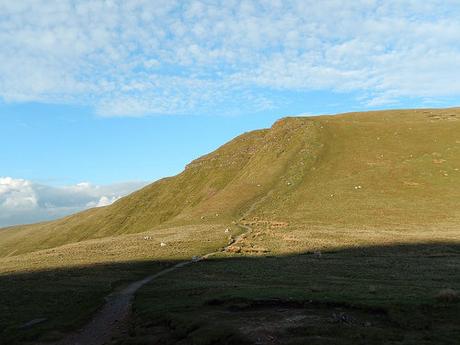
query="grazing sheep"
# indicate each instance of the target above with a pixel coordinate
(162, 244)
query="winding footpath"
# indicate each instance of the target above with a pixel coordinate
(112, 319)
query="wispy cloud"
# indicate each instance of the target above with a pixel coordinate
(178, 57)
(23, 201)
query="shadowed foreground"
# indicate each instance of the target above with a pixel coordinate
(112, 319)
(372, 295)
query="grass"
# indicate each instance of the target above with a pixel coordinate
(373, 295)
(66, 285)
(357, 213)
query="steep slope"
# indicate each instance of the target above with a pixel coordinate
(215, 188)
(374, 169)
(377, 168)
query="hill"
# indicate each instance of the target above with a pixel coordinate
(324, 230)
(375, 170)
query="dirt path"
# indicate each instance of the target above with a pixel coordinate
(112, 319)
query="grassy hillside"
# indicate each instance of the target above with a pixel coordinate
(378, 168)
(353, 237)
(382, 169)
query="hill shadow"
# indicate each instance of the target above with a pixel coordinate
(404, 292)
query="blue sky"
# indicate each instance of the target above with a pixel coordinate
(99, 97)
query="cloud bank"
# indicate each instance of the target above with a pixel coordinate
(178, 57)
(23, 201)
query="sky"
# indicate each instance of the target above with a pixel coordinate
(99, 98)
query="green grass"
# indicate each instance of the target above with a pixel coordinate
(66, 298)
(392, 288)
(66, 285)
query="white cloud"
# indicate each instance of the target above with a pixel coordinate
(23, 201)
(17, 194)
(103, 201)
(148, 57)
